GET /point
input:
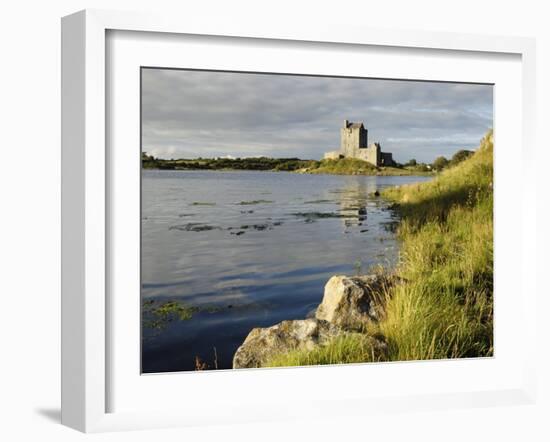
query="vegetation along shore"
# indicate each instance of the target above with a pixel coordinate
(437, 303)
(341, 166)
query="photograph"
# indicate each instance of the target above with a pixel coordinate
(293, 220)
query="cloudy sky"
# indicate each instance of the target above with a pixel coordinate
(187, 114)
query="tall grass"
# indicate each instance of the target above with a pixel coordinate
(443, 308)
(347, 348)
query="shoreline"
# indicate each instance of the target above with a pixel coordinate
(342, 166)
(383, 172)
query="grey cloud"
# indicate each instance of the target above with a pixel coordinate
(195, 113)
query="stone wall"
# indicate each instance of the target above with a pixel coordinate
(373, 154)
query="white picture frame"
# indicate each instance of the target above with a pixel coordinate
(86, 212)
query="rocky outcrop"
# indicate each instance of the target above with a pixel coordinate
(263, 343)
(349, 304)
(352, 303)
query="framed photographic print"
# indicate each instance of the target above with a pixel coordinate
(259, 250)
(258, 220)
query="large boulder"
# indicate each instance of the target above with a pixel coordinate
(263, 343)
(351, 303)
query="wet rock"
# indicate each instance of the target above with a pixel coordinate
(263, 343)
(351, 303)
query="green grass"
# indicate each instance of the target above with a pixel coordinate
(344, 166)
(444, 306)
(354, 166)
(348, 348)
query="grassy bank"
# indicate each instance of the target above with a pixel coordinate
(444, 306)
(353, 166)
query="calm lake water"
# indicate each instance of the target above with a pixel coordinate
(250, 249)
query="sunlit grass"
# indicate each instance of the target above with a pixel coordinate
(355, 166)
(345, 349)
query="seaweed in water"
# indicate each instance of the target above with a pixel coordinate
(259, 227)
(264, 226)
(253, 202)
(200, 203)
(158, 314)
(194, 227)
(313, 216)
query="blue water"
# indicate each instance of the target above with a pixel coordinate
(250, 249)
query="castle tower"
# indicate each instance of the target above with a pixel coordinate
(353, 136)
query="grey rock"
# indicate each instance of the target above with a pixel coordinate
(263, 343)
(351, 303)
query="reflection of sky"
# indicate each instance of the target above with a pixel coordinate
(193, 113)
(260, 277)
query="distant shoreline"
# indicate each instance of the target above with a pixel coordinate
(344, 166)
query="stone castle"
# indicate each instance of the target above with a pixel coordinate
(354, 144)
